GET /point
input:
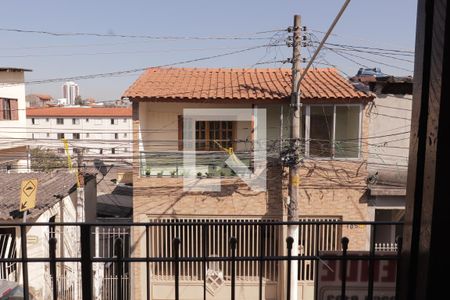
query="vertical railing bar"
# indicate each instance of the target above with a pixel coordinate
(147, 264)
(205, 247)
(233, 243)
(371, 262)
(262, 241)
(23, 246)
(171, 249)
(190, 246)
(344, 242)
(319, 237)
(176, 255)
(289, 242)
(52, 247)
(119, 259)
(86, 261)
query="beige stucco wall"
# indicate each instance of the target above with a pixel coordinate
(159, 124)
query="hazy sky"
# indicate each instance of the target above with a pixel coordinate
(381, 23)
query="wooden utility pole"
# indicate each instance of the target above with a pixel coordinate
(294, 165)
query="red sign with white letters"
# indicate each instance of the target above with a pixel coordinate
(329, 277)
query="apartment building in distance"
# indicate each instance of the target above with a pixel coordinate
(71, 91)
(99, 131)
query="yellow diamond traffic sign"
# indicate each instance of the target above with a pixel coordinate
(28, 194)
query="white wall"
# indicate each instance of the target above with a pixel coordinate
(37, 245)
(68, 239)
(12, 86)
(390, 116)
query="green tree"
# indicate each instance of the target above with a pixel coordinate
(44, 160)
(78, 100)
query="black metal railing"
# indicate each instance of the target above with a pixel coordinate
(233, 256)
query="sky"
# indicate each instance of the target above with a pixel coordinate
(383, 24)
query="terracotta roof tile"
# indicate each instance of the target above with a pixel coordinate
(79, 112)
(191, 84)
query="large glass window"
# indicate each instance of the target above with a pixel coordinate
(321, 131)
(347, 131)
(333, 131)
(213, 135)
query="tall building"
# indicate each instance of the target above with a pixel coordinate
(70, 92)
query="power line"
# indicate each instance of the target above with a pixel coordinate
(118, 52)
(363, 41)
(390, 116)
(131, 71)
(372, 53)
(151, 37)
(385, 50)
(371, 60)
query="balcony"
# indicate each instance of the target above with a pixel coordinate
(172, 163)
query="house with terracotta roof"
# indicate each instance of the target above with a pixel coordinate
(98, 131)
(38, 100)
(332, 180)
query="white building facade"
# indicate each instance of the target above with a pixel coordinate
(13, 133)
(12, 103)
(99, 132)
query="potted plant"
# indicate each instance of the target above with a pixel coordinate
(147, 172)
(172, 173)
(160, 174)
(199, 174)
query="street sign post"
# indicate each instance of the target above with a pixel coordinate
(28, 194)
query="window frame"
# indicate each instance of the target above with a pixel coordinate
(207, 134)
(75, 121)
(9, 114)
(59, 123)
(78, 136)
(306, 132)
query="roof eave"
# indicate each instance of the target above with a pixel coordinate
(250, 100)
